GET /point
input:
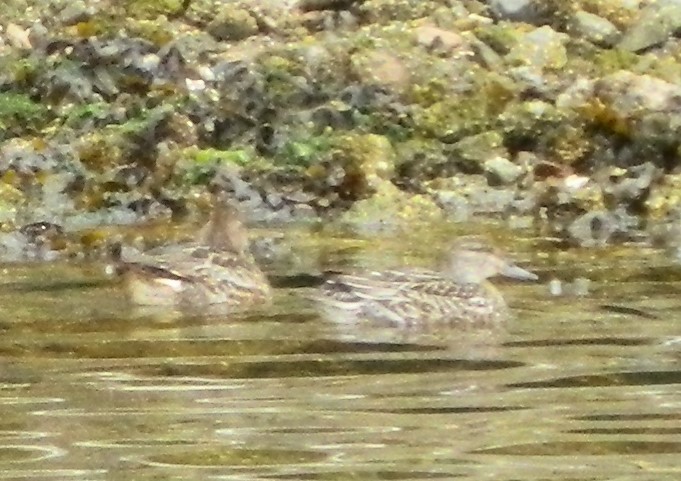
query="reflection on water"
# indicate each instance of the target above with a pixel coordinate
(571, 389)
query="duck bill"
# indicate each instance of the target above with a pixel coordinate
(515, 272)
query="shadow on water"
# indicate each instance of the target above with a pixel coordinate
(570, 389)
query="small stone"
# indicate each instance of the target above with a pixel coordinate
(502, 171)
(303, 211)
(542, 48)
(274, 200)
(17, 36)
(432, 37)
(381, 67)
(593, 229)
(514, 10)
(454, 205)
(75, 12)
(595, 29)
(233, 24)
(38, 35)
(473, 152)
(555, 287)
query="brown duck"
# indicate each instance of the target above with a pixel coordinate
(460, 293)
(216, 268)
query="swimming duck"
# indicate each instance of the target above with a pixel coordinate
(460, 293)
(216, 268)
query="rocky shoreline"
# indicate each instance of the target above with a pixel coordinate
(563, 117)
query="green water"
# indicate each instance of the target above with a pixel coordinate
(571, 389)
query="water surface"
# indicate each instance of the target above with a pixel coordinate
(571, 389)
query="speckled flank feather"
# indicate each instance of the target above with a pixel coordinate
(420, 296)
(215, 269)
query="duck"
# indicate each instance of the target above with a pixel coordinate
(215, 268)
(458, 293)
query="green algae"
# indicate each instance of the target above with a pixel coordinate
(20, 115)
(150, 9)
(305, 151)
(79, 114)
(236, 156)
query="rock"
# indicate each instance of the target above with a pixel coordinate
(665, 197)
(627, 94)
(555, 287)
(501, 171)
(514, 10)
(38, 35)
(437, 39)
(313, 5)
(631, 186)
(17, 37)
(656, 23)
(576, 95)
(75, 12)
(368, 161)
(233, 24)
(479, 196)
(471, 153)
(595, 29)
(541, 48)
(593, 229)
(530, 117)
(381, 67)
(454, 205)
(391, 209)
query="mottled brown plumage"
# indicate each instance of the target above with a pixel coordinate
(460, 293)
(216, 268)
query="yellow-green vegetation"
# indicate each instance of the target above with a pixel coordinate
(157, 31)
(611, 60)
(100, 150)
(665, 197)
(615, 12)
(237, 156)
(109, 146)
(198, 165)
(474, 150)
(232, 23)
(102, 25)
(398, 10)
(568, 143)
(279, 69)
(306, 150)
(391, 207)
(77, 114)
(150, 9)
(24, 70)
(604, 116)
(430, 92)
(19, 115)
(368, 161)
(455, 117)
(531, 119)
(501, 37)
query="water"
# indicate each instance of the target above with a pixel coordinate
(571, 389)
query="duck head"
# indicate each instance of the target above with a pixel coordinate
(471, 261)
(224, 231)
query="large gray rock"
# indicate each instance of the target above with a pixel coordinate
(656, 23)
(514, 10)
(541, 48)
